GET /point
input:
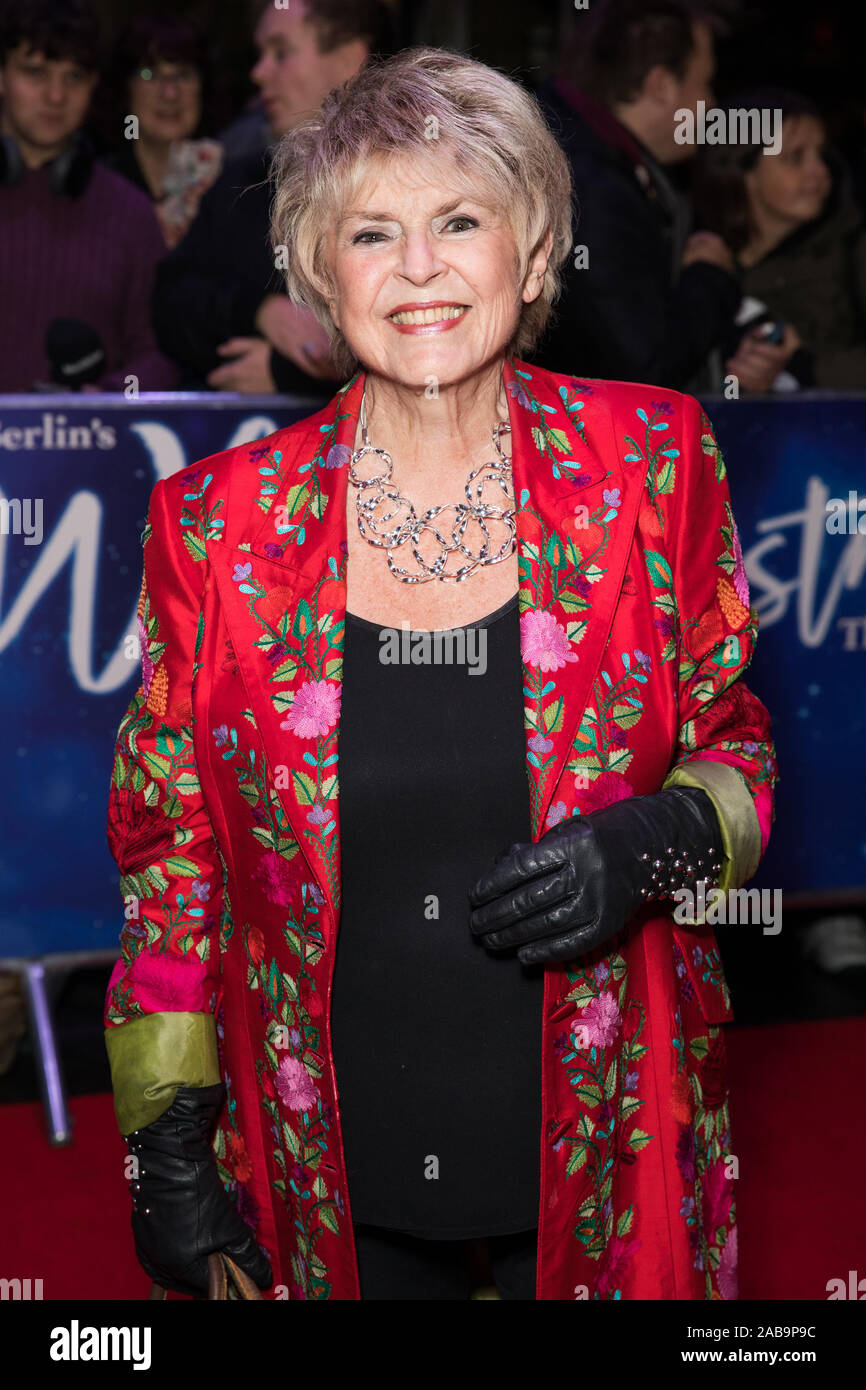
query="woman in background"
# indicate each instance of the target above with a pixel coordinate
(161, 65)
(798, 236)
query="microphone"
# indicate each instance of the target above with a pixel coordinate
(75, 353)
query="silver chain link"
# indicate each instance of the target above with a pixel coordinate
(378, 490)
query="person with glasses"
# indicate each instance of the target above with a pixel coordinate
(157, 116)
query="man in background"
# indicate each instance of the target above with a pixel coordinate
(78, 243)
(645, 298)
(219, 308)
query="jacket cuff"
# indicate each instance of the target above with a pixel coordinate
(151, 1057)
(738, 820)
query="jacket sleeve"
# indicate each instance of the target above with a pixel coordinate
(724, 743)
(159, 1010)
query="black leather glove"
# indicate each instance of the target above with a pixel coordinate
(180, 1210)
(580, 883)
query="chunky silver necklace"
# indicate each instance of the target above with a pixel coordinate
(379, 502)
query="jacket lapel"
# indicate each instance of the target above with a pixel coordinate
(283, 590)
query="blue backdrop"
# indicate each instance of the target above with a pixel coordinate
(67, 603)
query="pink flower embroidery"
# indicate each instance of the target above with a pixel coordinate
(295, 1085)
(602, 1019)
(277, 876)
(607, 788)
(315, 709)
(617, 1256)
(741, 583)
(166, 984)
(544, 641)
(727, 1273)
(146, 663)
(717, 1193)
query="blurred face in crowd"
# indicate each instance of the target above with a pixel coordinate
(45, 101)
(166, 98)
(791, 186)
(293, 76)
(652, 116)
(411, 237)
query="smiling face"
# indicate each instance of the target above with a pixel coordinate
(166, 97)
(426, 278)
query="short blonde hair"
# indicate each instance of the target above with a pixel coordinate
(486, 123)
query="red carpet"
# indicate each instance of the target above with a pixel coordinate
(798, 1127)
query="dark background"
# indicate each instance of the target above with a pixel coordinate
(815, 48)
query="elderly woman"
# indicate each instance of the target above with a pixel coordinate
(370, 1034)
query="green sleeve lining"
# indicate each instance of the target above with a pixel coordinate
(741, 831)
(151, 1057)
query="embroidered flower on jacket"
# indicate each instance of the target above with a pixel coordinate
(741, 582)
(256, 945)
(517, 391)
(607, 788)
(167, 984)
(277, 876)
(242, 572)
(248, 1208)
(544, 641)
(556, 814)
(686, 1153)
(726, 1275)
(717, 1194)
(146, 663)
(295, 1086)
(238, 1158)
(315, 709)
(617, 1256)
(539, 744)
(337, 456)
(602, 1020)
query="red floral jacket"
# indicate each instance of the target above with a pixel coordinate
(224, 819)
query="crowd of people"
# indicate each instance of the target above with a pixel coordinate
(135, 250)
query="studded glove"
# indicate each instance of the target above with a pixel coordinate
(180, 1210)
(578, 885)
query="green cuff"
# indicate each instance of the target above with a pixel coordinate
(151, 1057)
(741, 831)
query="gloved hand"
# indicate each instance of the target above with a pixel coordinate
(180, 1210)
(578, 885)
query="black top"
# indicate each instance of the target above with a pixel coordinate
(436, 1041)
